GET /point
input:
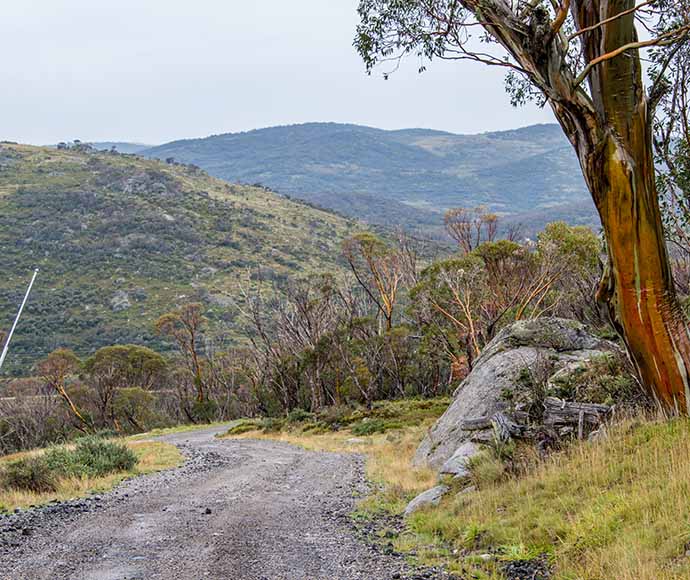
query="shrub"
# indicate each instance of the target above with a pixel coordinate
(244, 426)
(316, 428)
(92, 457)
(29, 474)
(300, 416)
(271, 425)
(486, 469)
(607, 378)
(336, 416)
(373, 426)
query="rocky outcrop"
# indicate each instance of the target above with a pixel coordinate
(120, 301)
(497, 397)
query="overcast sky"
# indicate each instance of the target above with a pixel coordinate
(156, 70)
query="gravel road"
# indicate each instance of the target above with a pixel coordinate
(236, 510)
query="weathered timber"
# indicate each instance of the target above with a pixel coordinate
(505, 428)
(559, 412)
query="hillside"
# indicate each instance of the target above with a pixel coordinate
(402, 177)
(120, 239)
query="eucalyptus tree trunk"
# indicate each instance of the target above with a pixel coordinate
(637, 287)
(610, 127)
(614, 145)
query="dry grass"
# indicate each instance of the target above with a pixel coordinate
(152, 456)
(389, 459)
(616, 510)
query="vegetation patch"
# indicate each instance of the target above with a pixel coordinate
(30, 474)
(606, 379)
(92, 465)
(90, 457)
(119, 238)
(383, 416)
(243, 426)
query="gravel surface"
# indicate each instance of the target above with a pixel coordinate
(236, 510)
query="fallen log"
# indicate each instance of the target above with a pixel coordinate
(560, 412)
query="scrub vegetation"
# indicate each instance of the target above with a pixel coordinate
(89, 465)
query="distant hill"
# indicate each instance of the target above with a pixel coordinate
(121, 239)
(404, 177)
(120, 146)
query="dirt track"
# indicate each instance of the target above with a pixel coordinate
(238, 509)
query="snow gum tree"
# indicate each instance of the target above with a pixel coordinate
(584, 59)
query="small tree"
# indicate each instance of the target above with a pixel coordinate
(55, 369)
(573, 253)
(379, 270)
(471, 227)
(185, 326)
(119, 367)
(135, 406)
(502, 280)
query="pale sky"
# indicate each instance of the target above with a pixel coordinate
(156, 70)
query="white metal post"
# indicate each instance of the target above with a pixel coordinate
(16, 320)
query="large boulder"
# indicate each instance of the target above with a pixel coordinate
(496, 387)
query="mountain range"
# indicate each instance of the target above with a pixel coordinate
(406, 177)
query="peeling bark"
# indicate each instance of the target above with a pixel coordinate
(611, 132)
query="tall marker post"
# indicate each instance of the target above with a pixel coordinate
(16, 320)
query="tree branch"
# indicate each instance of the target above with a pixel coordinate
(574, 35)
(658, 41)
(558, 22)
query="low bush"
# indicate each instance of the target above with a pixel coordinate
(272, 425)
(300, 416)
(317, 428)
(336, 416)
(607, 379)
(29, 474)
(243, 426)
(92, 457)
(372, 426)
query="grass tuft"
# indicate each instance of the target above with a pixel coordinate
(32, 474)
